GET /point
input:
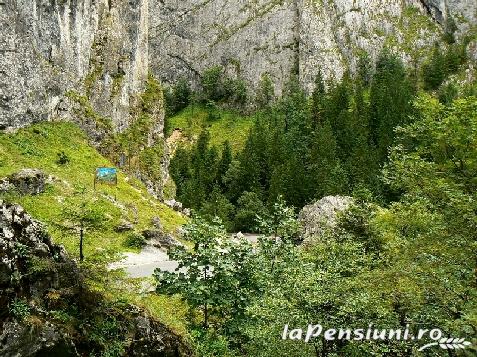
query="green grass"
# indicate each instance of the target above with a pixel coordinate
(38, 147)
(228, 126)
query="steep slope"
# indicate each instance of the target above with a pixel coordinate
(46, 309)
(38, 147)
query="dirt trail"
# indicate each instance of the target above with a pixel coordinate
(143, 264)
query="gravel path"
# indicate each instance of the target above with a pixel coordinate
(143, 264)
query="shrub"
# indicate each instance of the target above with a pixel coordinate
(62, 158)
(177, 97)
(135, 240)
(19, 308)
(212, 85)
(212, 111)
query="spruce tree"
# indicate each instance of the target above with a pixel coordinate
(224, 164)
(318, 99)
(435, 71)
(265, 93)
(390, 100)
(328, 175)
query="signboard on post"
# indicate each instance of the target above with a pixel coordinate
(106, 175)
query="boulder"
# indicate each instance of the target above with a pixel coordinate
(322, 215)
(159, 239)
(27, 181)
(124, 226)
(156, 222)
(175, 205)
(150, 234)
(166, 241)
(186, 212)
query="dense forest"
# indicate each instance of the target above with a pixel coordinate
(301, 147)
(401, 141)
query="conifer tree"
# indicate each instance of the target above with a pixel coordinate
(328, 175)
(224, 164)
(390, 100)
(435, 71)
(318, 99)
(265, 93)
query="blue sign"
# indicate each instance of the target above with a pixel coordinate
(107, 175)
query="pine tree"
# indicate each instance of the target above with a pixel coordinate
(391, 101)
(361, 164)
(318, 99)
(265, 92)
(338, 116)
(224, 164)
(180, 171)
(435, 71)
(328, 175)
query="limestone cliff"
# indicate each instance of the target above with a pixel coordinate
(67, 59)
(250, 38)
(98, 48)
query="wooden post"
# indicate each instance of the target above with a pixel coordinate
(81, 243)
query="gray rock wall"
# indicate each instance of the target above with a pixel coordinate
(279, 37)
(98, 48)
(104, 49)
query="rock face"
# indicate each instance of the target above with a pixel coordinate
(25, 182)
(97, 48)
(71, 59)
(37, 278)
(23, 239)
(316, 218)
(250, 38)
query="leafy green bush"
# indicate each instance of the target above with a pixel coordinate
(218, 88)
(211, 344)
(135, 240)
(19, 308)
(62, 158)
(212, 84)
(249, 205)
(177, 97)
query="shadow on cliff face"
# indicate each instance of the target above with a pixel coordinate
(46, 309)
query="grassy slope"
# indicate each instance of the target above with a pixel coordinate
(37, 147)
(229, 126)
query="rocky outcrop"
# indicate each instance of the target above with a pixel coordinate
(23, 243)
(38, 280)
(317, 218)
(157, 238)
(24, 182)
(94, 49)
